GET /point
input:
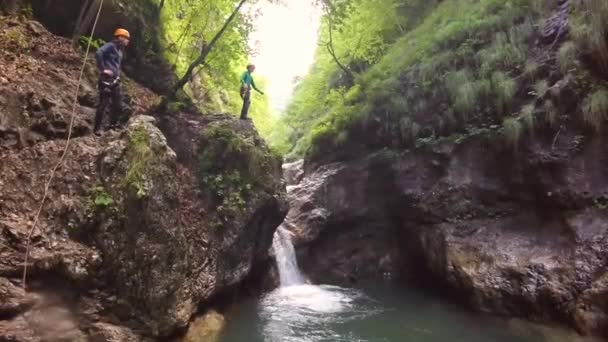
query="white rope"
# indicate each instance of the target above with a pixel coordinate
(63, 155)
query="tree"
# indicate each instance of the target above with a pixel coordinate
(334, 12)
(205, 50)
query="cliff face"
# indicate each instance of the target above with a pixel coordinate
(515, 232)
(141, 225)
(505, 210)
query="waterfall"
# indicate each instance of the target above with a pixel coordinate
(285, 255)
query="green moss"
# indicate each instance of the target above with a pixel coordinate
(140, 158)
(15, 40)
(235, 168)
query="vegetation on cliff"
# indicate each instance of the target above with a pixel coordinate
(425, 69)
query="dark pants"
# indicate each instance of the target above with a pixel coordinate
(246, 96)
(108, 94)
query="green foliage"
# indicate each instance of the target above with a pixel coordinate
(504, 88)
(189, 25)
(15, 40)
(589, 27)
(463, 91)
(95, 43)
(140, 157)
(175, 106)
(100, 198)
(595, 108)
(27, 11)
(431, 71)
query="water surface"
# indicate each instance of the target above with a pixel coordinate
(378, 312)
(375, 312)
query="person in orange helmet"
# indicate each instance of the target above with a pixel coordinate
(109, 59)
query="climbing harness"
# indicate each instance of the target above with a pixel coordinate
(106, 85)
(65, 151)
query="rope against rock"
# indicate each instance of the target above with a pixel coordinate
(65, 151)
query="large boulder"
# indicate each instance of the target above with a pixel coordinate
(175, 237)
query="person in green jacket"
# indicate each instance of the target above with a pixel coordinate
(246, 84)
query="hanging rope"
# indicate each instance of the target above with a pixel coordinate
(65, 151)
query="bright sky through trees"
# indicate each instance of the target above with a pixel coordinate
(285, 39)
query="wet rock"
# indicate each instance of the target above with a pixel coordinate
(53, 320)
(104, 332)
(13, 299)
(591, 312)
(336, 206)
(17, 330)
(293, 172)
(36, 28)
(87, 96)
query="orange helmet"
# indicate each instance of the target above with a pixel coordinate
(122, 33)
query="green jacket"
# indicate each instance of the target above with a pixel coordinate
(247, 79)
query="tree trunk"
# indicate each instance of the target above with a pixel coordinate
(8, 6)
(85, 18)
(205, 52)
(332, 52)
(161, 5)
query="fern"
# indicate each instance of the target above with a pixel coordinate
(595, 108)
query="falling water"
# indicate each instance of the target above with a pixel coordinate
(299, 311)
(285, 255)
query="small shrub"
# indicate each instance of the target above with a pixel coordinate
(527, 115)
(27, 11)
(531, 69)
(595, 108)
(589, 26)
(463, 91)
(567, 57)
(15, 40)
(504, 89)
(512, 130)
(551, 114)
(541, 88)
(95, 43)
(101, 198)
